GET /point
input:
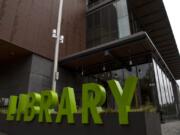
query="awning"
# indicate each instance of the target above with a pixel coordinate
(137, 48)
(152, 17)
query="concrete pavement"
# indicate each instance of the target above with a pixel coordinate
(171, 128)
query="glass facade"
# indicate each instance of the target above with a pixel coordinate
(146, 92)
(110, 21)
(164, 87)
(107, 23)
(154, 90)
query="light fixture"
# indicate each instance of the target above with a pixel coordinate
(82, 73)
(106, 53)
(104, 68)
(130, 63)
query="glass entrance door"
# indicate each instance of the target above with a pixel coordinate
(145, 94)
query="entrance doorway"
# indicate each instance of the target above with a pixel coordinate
(145, 95)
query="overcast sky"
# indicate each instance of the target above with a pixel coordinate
(173, 11)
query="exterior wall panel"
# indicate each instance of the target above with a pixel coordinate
(29, 24)
(148, 124)
(74, 16)
(14, 77)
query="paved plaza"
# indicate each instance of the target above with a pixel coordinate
(171, 128)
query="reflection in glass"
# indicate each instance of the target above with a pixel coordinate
(165, 92)
(107, 23)
(144, 95)
(165, 88)
(154, 88)
(157, 83)
(161, 85)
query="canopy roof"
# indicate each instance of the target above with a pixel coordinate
(152, 17)
(137, 48)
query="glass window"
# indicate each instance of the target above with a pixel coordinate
(169, 90)
(165, 92)
(146, 84)
(129, 72)
(118, 75)
(166, 88)
(157, 82)
(145, 96)
(107, 23)
(160, 76)
(172, 94)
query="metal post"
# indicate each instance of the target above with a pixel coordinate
(59, 39)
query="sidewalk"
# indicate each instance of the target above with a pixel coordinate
(171, 128)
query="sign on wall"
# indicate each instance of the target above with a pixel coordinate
(26, 107)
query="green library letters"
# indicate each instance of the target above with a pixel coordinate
(42, 105)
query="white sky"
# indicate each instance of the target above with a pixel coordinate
(173, 11)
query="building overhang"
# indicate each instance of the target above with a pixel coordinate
(153, 18)
(137, 48)
(10, 52)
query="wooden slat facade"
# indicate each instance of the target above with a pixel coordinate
(29, 23)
